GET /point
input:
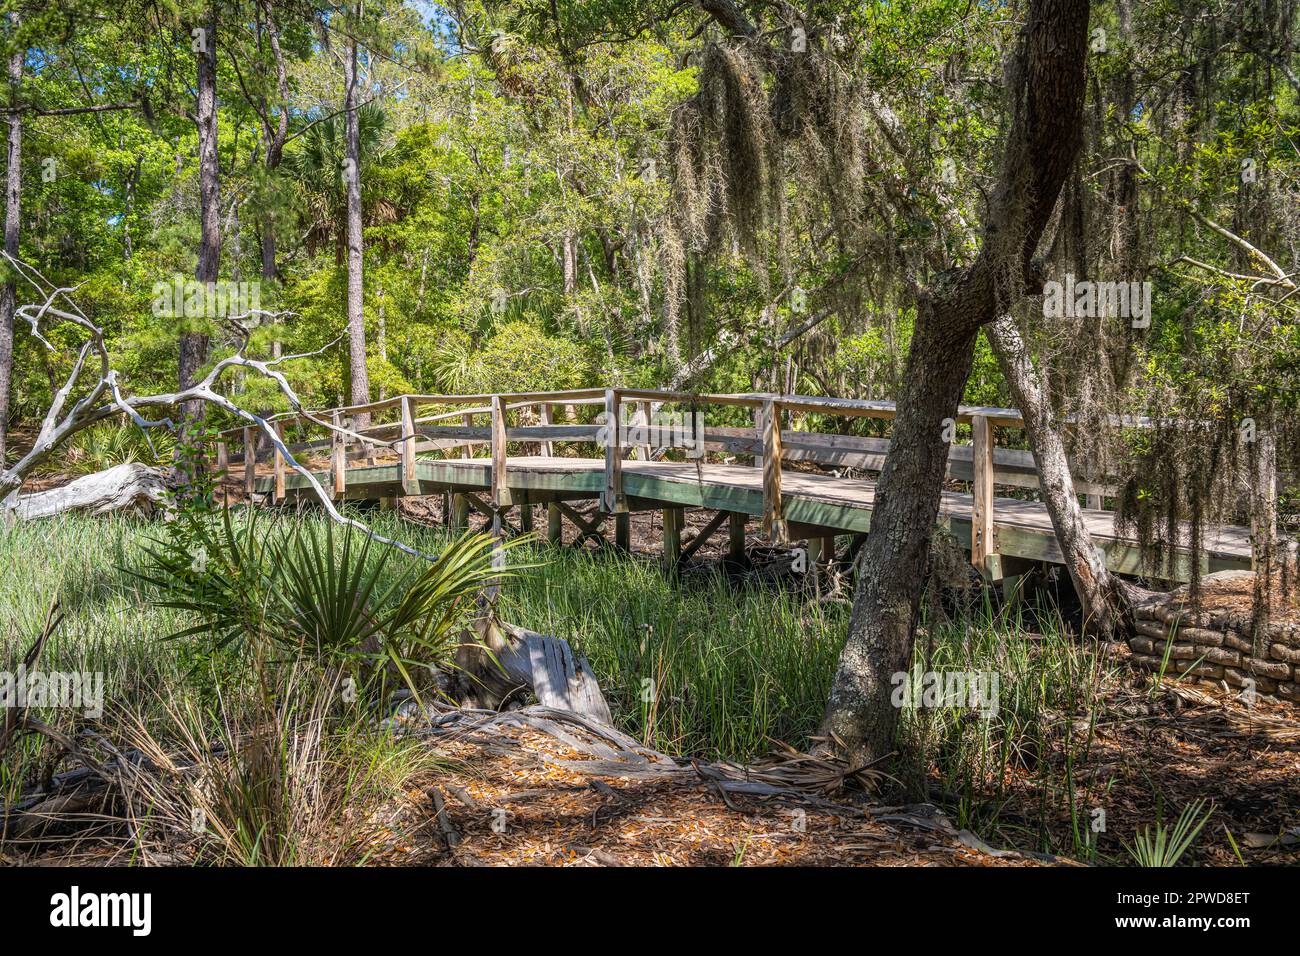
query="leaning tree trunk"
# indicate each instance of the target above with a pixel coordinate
(194, 342)
(13, 209)
(860, 713)
(1046, 86)
(1105, 602)
(352, 172)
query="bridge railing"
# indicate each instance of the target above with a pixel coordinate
(397, 428)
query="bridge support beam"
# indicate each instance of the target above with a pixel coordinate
(554, 524)
(981, 531)
(736, 536)
(674, 518)
(459, 512)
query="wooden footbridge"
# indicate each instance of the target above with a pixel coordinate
(749, 458)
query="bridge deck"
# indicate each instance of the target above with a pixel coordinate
(1022, 529)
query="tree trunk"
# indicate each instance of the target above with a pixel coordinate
(1046, 86)
(1104, 599)
(891, 567)
(13, 210)
(352, 173)
(194, 342)
(275, 140)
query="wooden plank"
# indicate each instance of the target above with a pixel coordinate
(773, 521)
(339, 459)
(613, 500)
(500, 480)
(547, 415)
(982, 491)
(410, 484)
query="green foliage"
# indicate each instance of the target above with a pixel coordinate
(302, 592)
(1159, 845)
(111, 443)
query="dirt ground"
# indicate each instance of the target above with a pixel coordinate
(520, 802)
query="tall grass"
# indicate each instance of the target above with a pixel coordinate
(703, 667)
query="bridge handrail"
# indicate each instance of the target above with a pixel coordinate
(767, 444)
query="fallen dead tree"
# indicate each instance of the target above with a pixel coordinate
(130, 488)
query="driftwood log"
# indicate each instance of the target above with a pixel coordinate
(506, 662)
(132, 488)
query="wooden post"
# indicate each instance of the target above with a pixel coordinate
(758, 435)
(673, 521)
(554, 524)
(526, 518)
(547, 448)
(410, 484)
(828, 550)
(612, 500)
(1263, 503)
(981, 521)
(223, 457)
(250, 463)
(623, 531)
(642, 417)
(279, 463)
(813, 570)
(465, 450)
(500, 487)
(459, 512)
(736, 536)
(338, 459)
(773, 522)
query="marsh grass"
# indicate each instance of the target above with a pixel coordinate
(703, 667)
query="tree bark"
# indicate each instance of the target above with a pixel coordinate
(352, 173)
(1104, 598)
(1046, 87)
(275, 139)
(13, 211)
(891, 567)
(194, 342)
